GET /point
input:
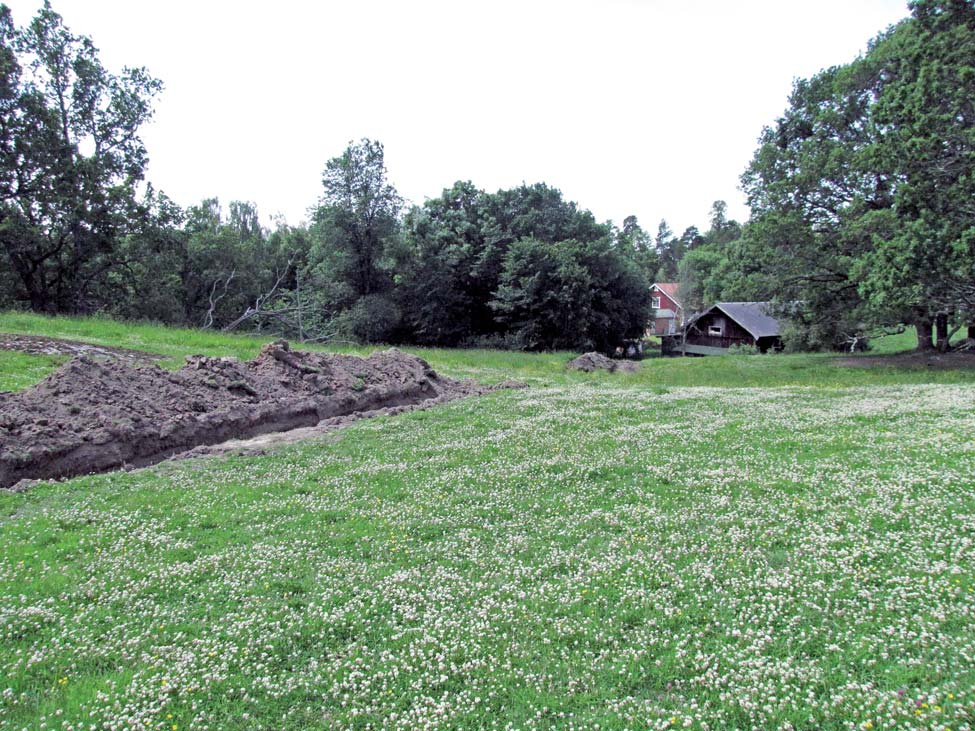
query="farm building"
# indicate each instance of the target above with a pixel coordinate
(726, 324)
(669, 313)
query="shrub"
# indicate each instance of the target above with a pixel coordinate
(743, 349)
(372, 319)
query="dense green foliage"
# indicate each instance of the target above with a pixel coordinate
(861, 193)
(75, 238)
(523, 268)
(571, 295)
(70, 162)
(925, 115)
(860, 197)
(705, 270)
(355, 234)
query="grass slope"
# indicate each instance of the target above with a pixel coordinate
(633, 552)
(483, 365)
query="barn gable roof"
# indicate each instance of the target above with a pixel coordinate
(671, 289)
(752, 316)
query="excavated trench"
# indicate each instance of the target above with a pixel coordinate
(94, 416)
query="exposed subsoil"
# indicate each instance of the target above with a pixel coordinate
(39, 345)
(93, 416)
(933, 360)
(589, 362)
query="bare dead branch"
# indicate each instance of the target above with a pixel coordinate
(258, 309)
(215, 298)
(854, 339)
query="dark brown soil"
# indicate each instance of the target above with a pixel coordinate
(93, 416)
(914, 359)
(38, 345)
(590, 362)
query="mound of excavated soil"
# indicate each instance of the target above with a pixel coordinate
(92, 416)
(590, 362)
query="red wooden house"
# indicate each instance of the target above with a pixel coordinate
(669, 313)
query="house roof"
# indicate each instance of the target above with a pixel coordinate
(752, 316)
(671, 289)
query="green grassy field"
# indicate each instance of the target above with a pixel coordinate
(760, 542)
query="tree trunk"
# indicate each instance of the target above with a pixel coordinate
(40, 300)
(38, 303)
(971, 331)
(924, 340)
(941, 326)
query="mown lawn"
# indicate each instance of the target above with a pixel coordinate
(750, 542)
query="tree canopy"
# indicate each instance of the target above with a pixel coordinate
(70, 161)
(470, 276)
(861, 192)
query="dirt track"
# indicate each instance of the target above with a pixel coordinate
(93, 416)
(913, 359)
(39, 345)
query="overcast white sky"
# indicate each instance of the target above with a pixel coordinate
(646, 107)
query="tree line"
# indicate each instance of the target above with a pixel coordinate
(860, 194)
(81, 232)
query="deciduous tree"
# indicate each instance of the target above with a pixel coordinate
(925, 120)
(635, 243)
(571, 295)
(356, 223)
(862, 191)
(70, 160)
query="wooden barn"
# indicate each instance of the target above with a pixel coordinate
(726, 324)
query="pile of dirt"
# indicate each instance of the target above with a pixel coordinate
(39, 345)
(93, 416)
(590, 362)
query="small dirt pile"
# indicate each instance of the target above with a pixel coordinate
(93, 416)
(590, 362)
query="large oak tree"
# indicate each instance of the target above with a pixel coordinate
(861, 192)
(71, 160)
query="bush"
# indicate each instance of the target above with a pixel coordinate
(743, 349)
(571, 295)
(493, 341)
(372, 319)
